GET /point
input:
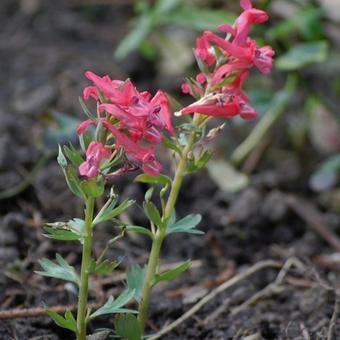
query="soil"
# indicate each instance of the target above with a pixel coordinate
(45, 47)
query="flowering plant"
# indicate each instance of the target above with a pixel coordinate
(122, 137)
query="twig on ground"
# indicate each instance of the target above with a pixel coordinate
(217, 312)
(314, 219)
(331, 330)
(227, 284)
(273, 287)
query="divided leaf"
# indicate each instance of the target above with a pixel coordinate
(135, 280)
(69, 231)
(113, 306)
(92, 187)
(73, 155)
(160, 179)
(170, 144)
(153, 214)
(172, 273)
(127, 327)
(67, 321)
(111, 212)
(103, 268)
(139, 230)
(186, 225)
(60, 270)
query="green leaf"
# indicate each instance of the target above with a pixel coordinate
(61, 231)
(198, 18)
(73, 155)
(152, 213)
(203, 159)
(68, 321)
(127, 327)
(135, 280)
(115, 305)
(84, 140)
(173, 273)
(111, 212)
(73, 181)
(131, 42)
(61, 159)
(302, 55)
(139, 230)
(161, 179)
(186, 225)
(103, 268)
(77, 225)
(148, 194)
(85, 109)
(60, 270)
(69, 231)
(93, 187)
(172, 145)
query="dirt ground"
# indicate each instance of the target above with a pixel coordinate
(45, 47)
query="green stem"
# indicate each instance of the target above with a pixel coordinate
(84, 274)
(149, 276)
(161, 232)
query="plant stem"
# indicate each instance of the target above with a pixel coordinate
(149, 276)
(84, 274)
(161, 232)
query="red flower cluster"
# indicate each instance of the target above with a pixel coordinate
(131, 117)
(225, 65)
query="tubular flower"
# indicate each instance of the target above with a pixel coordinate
(144, 157)
(203, 51)
(131, 116)
(244, 22)
(219, 87)
(221, 106)
(95, 154)
(147, 116)
(84, 126)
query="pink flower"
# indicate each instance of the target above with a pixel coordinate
(116, 91)
(246, 111)
(144, 119)
(95, 154)
(264, 59)
(84, 126)
(242, 57)
(144, 157)
(203, 51)
(228, 102)
(201, 78)
(219, 108)
(226, 70)
(145, 116)
(185, 88)
(90, 92)
(246, 19)
(161, 114)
